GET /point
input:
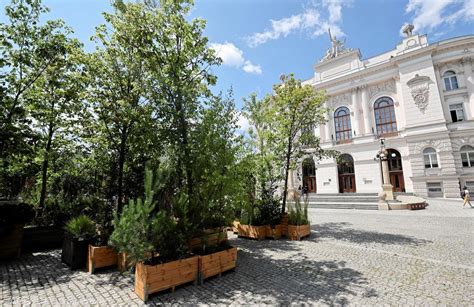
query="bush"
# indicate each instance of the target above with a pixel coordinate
(298, 215)
(13, 213)
(270, 211)
(81, 227)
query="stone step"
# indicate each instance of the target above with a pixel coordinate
(344, 205)
(344, 200)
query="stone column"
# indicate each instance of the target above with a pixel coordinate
(387, 187)
(469, 79)
(327, 128)
(366, 111)
(355, 107)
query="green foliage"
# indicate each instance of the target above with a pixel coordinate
(298, 215)
(81, 227)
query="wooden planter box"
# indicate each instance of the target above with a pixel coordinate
(273, 233)
(235, 227)
(284, 224)
(10, 242)
(253, 232)
(298, 232)
(217, 263)
(154, 278)
(122, 262)
(212, 237)
(39, 238)
(74, 252)
(100, 257)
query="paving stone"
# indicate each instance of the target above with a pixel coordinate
(351, 258)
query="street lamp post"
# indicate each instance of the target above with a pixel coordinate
(387, 188)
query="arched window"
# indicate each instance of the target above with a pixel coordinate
(467, 156)
(430, 157)
(342, 123)
(385, 116)
(450, 80)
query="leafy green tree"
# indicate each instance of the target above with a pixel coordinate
(28, 49)
(292, 112)
(55, 103)
(118, 89)
(179, 61)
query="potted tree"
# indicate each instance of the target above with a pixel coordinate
(13, 216)
(79, 234)
(270, 210)
(154, 241)
(298, 222)
(100, 254)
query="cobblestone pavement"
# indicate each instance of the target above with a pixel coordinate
(352, 258)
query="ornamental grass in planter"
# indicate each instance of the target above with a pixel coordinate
(79, 234)
(298, 223)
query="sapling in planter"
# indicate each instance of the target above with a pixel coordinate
(80, 232)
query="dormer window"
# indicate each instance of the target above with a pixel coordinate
(450, 80)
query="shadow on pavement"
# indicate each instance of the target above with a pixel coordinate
(342, 231)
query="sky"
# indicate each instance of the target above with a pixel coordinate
(259, 40)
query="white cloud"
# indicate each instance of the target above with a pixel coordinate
(252, 69)
(234, 57)
(430, 14)
(243, 123)
(309, 21)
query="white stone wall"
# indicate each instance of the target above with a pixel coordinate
(401, 74)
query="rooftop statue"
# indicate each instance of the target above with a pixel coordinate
(408, 30)
(337, 48)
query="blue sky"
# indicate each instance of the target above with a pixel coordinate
(261, 39)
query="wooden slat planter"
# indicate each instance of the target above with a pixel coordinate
(284, 224)
(100, 257)
(273, 233)
(74, 252)
(298, 232)
(210, 237)
(10, 243)
(217, 263)
(253, 232)
(235, 227)
(154, 278)
(122, 262)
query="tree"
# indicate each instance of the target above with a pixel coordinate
(118, 89)
(293, 111)
(179, 60)
(29, 50)
(55, 102)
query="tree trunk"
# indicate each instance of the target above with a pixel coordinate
(121, 162)
(184, 147)
(287, 167)
(44, 168)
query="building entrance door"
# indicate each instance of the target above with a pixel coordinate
(309, 175)
(395, 169)
(345, 169)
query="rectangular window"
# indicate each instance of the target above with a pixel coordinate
(457, 112)
(464, 159)
(454, 83)
(447, 84)
(434, 189)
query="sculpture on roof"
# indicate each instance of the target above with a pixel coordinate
(337, 48)
(408, 29)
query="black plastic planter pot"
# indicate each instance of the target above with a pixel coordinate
(74, 252)
(39, 238)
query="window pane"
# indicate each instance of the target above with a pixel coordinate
(460, 114)
(427, 161)
(471, 158)
(454, 116)
(434, 160)
(465, 163)
(454, 83)
(447, 84)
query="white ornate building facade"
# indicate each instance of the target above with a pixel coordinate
(419, 97)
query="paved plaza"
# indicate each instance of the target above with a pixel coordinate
(352, 258)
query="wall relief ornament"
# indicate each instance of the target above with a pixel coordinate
(337, 100)
(387, 86)
(420, 90)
